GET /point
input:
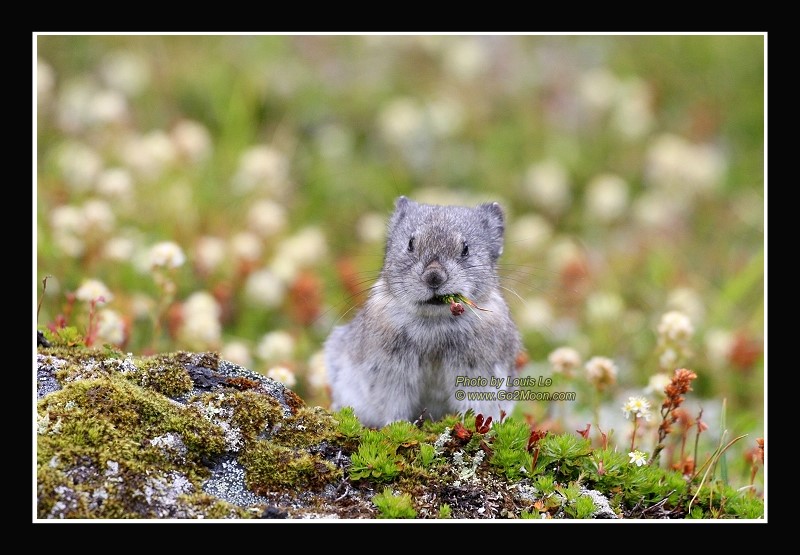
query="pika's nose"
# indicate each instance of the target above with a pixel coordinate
(434, 274)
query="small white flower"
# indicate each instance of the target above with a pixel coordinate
(535, 313)
(98, 216)
(675, 326)
(265, 288)
(597, 89)
(401, 120)
(371, 228)
(305, 248)
(718, 346)
(657, 383)
(604, 307)
(262, 167)
(687, 301)
(246, 246)
(283, 375)
(108, 106)
(237, 352)
(126, 72)
(92, 290)
(317, 376)
(602, 371)
(191, 140)
(166, 254)
(79, 164)
(115, 183)
(45, 81)
(639, 407)
(606, 197)
(209, 253)
(638, 458)
(267, 218)
(200, 326)
(564, 360)
(275, 346)
(530, 232)
(633, 115)
(110, 327)
(334, 141)
(67, 219)
(547, 184)
(465, 58)
(674, 163)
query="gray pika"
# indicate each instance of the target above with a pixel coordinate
(403, 353)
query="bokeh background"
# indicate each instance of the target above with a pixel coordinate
(230, 193)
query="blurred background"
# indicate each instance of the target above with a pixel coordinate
(230, 193)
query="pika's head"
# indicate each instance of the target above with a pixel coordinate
(434, 251)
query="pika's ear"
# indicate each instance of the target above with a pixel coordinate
(401, 207)
(493, 220)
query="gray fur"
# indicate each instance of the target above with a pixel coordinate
(400, 356)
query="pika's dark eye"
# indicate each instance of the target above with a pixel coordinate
(411, 244)
(465, 250)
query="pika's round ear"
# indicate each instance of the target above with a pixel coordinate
(401, 206)
(494, 222)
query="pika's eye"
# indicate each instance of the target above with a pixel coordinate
(411, 244)
(465, 250)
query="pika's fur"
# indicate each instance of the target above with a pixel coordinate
(401, 355)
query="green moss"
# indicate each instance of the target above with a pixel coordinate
(308, 426)
(164, 374)
(270, 467)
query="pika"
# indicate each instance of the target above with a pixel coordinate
(408, 353)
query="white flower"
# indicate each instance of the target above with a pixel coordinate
(67, 219)
(675, 327)
(535, 313)
(262, 167)
(237, 352)
(191, 140)
(45, 81)
(149, 155)
(564, 360)
(633, 115)
(98, 216)
(660, 209)
(597, 88)
(74, 104)
(402, 120)
(657, 383)
(606, 197)
(166, 254)
(718, 346)
(547, 184)
(79, 164)
(465, 58)
(674, 163)
(200, 326)
(115, 183)
(94, 290)
(317, 376)
(564, 253)
(687, 301)
(639, 407)
(246, 246)
(305, 248)
(668, 359)
(265, 289)
(108, 106)
(529, 233)
(126, 72)
(110, 327)
(371, 228)
(283, 375)
(446, 116)
(266, 218)
(209, 252)
(275, 346)
(638, 458)
(601, 371)
(119, 248)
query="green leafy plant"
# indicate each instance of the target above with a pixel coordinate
(375, 459)
(509, 440)
(394, 506)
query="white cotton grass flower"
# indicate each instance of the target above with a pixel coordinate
(529, 233)
(93, 290)
(564, 360)
(263, 168)
(246, 247)
(675, 327)
(166, 254)
(606, 197)
(110, 327)
(317, 374)
(657, 383)
(265, 289)
(275, 346)
(638, 458)
(126, 72)
(209, 253)
(282, 374)
(548, 185)
(639, 407)
(237, 352)
(601, 371)
(371, 228)
(267, 218)
(191, 140)
(200, 326)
